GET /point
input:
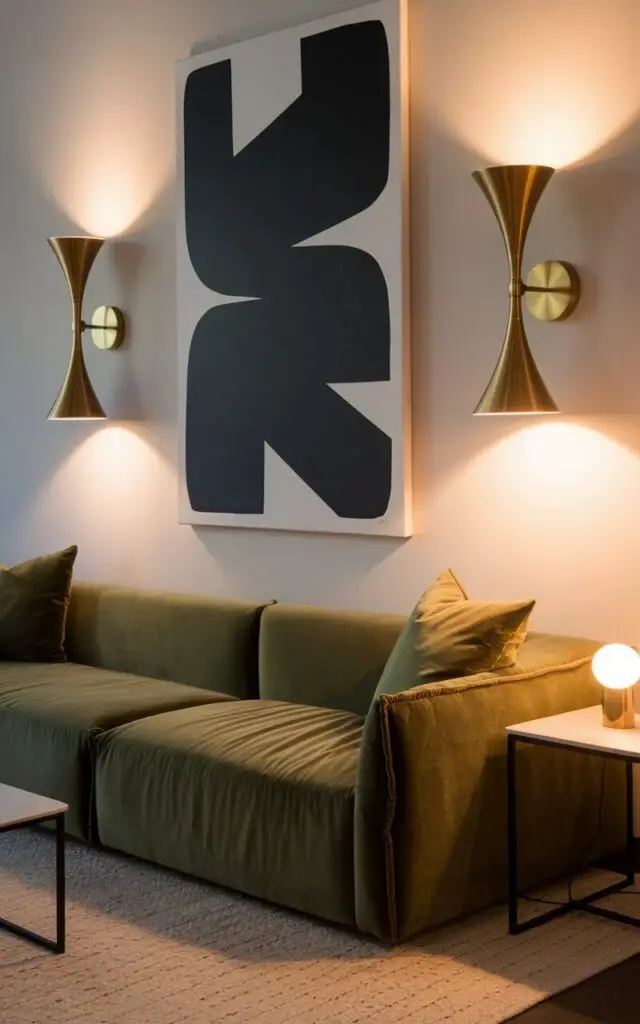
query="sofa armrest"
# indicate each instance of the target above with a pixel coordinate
(430, 822)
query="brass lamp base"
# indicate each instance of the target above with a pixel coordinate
(617, 709)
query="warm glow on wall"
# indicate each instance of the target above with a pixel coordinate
(105, 497)
(101, 155)
(106, 470)
(106, 486)
(547, 509)
(109, 200)
(576, 473)
(523, 83)
(106, 196)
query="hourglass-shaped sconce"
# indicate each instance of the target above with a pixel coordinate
(77, 400)
(551, 290)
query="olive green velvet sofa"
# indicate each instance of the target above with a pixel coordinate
(239, 743)
(131, 654)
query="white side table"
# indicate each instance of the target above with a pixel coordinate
(580, 731)
(17, 810)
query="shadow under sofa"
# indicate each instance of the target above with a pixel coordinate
(266, 767)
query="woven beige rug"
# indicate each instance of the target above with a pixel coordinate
(149, 947)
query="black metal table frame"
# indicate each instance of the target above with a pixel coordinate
(585, 903)
(58, 944)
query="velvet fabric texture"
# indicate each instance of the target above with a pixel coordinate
(50, 714)
(390, 824)
(431, 793)
(254, 795)
(447, 635)
(200, 641)
(34, 598)
(327, 658)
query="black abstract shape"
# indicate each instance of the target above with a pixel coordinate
(259, 371)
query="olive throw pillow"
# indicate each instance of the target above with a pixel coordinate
(34, 597)
(447, 635)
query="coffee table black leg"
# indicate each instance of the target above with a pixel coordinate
(512, 835)
(57, 945)
(61, 921)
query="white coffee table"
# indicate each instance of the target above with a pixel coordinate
(17, 810)
(579, 731)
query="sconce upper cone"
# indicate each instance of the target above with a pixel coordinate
(513, 193)
(76, 255)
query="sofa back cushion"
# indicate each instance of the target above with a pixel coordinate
(330, 659)
(447, 636)
(200, 641)
(34, 600)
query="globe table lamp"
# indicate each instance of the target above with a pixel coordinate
(617, 669)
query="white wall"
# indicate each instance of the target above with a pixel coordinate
(547, 508)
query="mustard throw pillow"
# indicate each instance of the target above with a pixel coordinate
(447, 635)
(34, 597)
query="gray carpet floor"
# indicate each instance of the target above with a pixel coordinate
(147, 946)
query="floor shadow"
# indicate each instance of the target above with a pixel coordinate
(205, 918)
(94, 877)
(612, 997)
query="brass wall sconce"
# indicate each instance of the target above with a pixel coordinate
(77, 400)
(551, 290)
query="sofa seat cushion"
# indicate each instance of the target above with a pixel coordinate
(255, 795)
(49, 713)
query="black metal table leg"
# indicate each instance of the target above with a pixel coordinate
(586, 903)
(58, 944)
(516, 927)
(512, 835)
(631, 852)
(61, 910)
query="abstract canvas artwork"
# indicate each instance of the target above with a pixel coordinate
(293, 348)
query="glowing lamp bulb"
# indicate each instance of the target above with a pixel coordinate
(616, 666)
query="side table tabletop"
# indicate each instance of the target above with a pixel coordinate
(580, 730)
(19, 809)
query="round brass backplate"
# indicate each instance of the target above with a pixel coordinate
(552, 290)
(107, 327)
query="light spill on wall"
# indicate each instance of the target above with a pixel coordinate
(536, 83)
(104, 497)
(95, 135)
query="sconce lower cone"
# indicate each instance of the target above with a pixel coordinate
(516, 385)
(77, 399)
